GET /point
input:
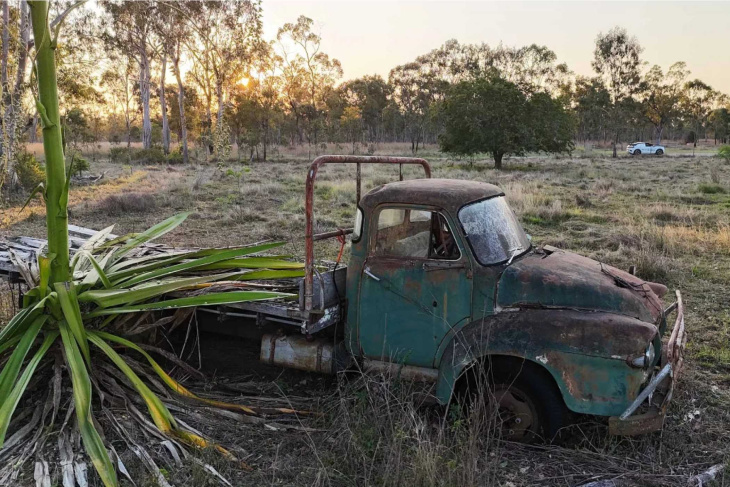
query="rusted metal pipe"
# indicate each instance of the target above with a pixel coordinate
(677, 340)
(309, 205)
(334, 233)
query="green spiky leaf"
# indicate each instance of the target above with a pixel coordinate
(192, 301)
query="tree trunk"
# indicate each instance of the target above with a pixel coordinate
(23, 51)
(660, 129)
(6, 47)
(144, 90)
(615, 141)
(129, 133)
(498, 160)
(219, 94)
(33, 137)
(56, 194)
(6, 140)
(181, 106)
(163, 107)
(13, 98)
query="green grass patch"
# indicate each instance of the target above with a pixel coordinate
(711, 188)
(714, 356)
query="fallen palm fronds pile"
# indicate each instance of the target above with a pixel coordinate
(71, 334)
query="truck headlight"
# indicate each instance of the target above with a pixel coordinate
(645, 360)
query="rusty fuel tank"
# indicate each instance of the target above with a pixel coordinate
(297, 352)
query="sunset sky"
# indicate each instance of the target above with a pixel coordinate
(373, 36)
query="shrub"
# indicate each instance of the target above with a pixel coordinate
(118, 154)
(724, 152)
(710, 189)
(122, 204)
(175, 157)
(153, 155)
(29, 170)
(80, 164)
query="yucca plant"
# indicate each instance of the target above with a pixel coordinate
(75, 316)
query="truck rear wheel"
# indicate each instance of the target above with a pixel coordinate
(522, 397)
(659, 152)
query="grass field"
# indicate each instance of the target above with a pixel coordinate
(668, 215)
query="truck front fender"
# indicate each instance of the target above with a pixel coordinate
(586, 353)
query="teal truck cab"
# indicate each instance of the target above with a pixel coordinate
(443, 284)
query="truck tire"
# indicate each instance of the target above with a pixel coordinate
(523, 397)
(659, 152)
(637, 152)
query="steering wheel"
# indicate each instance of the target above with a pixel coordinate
(444, 242)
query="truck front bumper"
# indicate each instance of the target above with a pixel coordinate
(658, 393)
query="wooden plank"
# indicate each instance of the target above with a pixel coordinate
(26, 248)
(282, 309)
(85, 233)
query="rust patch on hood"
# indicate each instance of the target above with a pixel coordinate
(556, 278)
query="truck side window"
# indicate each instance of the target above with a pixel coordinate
(415, 233)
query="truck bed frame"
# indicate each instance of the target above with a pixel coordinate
(321, 294)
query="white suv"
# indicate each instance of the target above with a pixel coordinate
(638, 148)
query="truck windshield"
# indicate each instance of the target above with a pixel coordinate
(493, 231)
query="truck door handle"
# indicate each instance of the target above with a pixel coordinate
(370, 274)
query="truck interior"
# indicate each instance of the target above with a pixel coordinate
(414, 233)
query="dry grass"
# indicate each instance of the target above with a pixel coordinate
(125, 203)
(651, 212)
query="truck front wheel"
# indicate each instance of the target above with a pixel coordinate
(522, 397)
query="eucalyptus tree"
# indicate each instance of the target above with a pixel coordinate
(591, 104)
(310, 73)
(174, 30)
(617, 61)
(255, 106)
(130, 32)
(370, 95)
(415, 91)
(533, 68)
(697, 103)
(720, 120)
(225, 42)
(662, 94)
(117, 81)
(15, 40)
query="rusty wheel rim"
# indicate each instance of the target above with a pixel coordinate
(516, 412)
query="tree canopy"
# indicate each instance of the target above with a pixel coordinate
(492, 115)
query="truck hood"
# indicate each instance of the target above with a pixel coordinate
(553, 278)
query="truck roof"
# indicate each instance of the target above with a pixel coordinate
(450, 194)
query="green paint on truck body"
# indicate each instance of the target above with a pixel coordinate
(580, 320)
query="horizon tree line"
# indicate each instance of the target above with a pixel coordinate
(196, 78)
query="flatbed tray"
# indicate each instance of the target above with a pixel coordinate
(328, 292)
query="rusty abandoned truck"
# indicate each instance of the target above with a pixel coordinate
(444, 284)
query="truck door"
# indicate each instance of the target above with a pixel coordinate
(416, 285)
